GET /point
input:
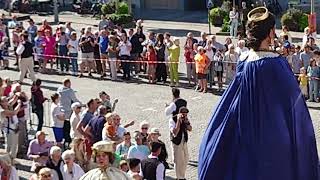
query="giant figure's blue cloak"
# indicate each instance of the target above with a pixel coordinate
(261, 129)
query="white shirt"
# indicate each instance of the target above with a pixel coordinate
(9, 125)
(120, 133)
(75, 46)
(76, 174)
(241, 51)
(124, 48)
(55, 111)
(159, 171)
(170, 109)
(234, 16)
(74, 120)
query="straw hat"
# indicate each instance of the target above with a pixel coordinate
(103, 146)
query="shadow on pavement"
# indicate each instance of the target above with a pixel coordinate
(175, 32)
(23, 167)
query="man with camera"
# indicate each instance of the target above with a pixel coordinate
(179, 125)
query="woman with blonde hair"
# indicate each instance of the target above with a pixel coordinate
(8, 171)
(80, 155)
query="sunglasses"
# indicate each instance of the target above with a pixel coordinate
(45, 175)
(144, 128)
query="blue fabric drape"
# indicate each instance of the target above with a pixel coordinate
(261, 128)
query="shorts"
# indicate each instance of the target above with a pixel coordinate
(58, 134)
(201, 76)
(304, 90)
(85, 57)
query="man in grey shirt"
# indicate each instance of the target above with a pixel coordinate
(305, 56)
(67, 97)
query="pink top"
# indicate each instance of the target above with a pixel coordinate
(1, 35)
(50, 43)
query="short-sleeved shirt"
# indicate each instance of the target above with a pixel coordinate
(120, 133)
(124, 48)
(97, 124)
(38, 44)
(74, 46)
(55, 111)
(85, 118)
(296, 63)
(201, 63)
(305, 58)
(303, 80)
(139, 152)
(87, 47)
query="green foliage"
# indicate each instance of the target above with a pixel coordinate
(121, 18)
(226, 24)
(295, 20)
(217, 16)
(123, 8)
(108, 8)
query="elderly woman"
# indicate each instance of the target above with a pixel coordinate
(55, 163)
(241, 48)
(144, 127)
(231, 58)
(45, 174)
(8, 172)
(202, 65)
(103, 154)
(71, 170)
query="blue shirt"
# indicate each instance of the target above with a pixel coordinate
(313, 71)
(103, 42)
(85, 118)
(305, 58)
(296, 63)
(97, 124)
(138, 151)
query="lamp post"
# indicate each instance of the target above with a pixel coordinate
(55, 11)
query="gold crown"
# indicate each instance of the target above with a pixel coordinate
(258, 14)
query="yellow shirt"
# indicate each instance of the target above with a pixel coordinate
(174, 51)
(303, 80)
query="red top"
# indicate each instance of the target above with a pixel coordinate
(151, 57)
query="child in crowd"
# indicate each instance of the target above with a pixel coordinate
(174, 54)
(124, 166)
(4, 52)
(73, 47)
(111, 131)
(112, 52)
(151, 66)
(105, 100)
(303, 79)
(39, 50)
(313, 74)
(134, 166)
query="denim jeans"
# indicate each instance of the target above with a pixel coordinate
(39, 113)
(234, 28)
(313, 89)
(74, 62)
(125, 66)
(64, 62)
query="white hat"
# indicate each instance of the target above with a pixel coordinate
(75, 105)
(155, 131)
